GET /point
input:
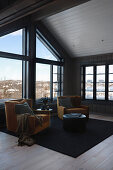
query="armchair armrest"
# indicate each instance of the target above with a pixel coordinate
(31, 119)
(85, 107)
(34, 120)
(61, 111)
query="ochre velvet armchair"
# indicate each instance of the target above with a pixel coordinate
(11, 117)
(76, 106)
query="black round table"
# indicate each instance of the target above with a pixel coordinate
(74, 122)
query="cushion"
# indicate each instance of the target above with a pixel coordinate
(76, 101)
(23, 108)
(76, 110)
(65, 102)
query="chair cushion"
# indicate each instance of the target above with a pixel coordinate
(76, 101)
(76, 110)
(23, 108)
(65, 102)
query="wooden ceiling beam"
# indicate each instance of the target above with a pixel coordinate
(35, 9)
(55, 7)
(20, 9)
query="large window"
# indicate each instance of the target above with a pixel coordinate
(100, 82)
(97, 82)
(11, 65)
(12, 43)
(49, 81)
(10, 78)
(42, 80)
(17, 72)
(49, 77)
(89, 83)
(110, 85)
(43, 52)
(57, 81)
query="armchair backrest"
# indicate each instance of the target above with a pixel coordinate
(75, 100)
(11, 118)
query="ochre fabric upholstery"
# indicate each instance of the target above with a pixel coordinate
(77, 107)
(11, 117)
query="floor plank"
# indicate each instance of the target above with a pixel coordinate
(13, 157)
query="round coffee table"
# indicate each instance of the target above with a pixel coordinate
(74, 122)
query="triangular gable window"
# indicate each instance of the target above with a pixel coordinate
(43, 52)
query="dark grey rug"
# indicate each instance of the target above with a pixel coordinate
(72, 143)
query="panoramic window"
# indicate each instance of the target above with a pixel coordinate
(89, 83)
(10, 78)
(97, 82)
(100, 82)
(43, 52)
(49, 77)
(12, 43)
(42, 80)
(110, 83)
(45, 85)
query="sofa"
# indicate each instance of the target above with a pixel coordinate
(71, 104)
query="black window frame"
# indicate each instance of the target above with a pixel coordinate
(23, 57)
(59, 62)
(29, 60)
(94, 81)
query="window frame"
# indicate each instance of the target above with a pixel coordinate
(29, 60)
(52, 63)
(91, 82)
(23, 57)
(94, 81)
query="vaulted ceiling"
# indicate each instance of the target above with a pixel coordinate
(84, 30)
(82, 27)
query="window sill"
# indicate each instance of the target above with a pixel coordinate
(97, 101)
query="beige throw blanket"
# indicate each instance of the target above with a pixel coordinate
(23, 130)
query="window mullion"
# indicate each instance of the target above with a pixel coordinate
(84, 82)
(94, 83)
(24, 52)
(59, 80)
(51, 82)
(106, 83)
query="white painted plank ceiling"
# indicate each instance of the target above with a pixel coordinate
(84, 30)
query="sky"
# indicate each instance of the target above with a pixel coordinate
(12, 69)
(12, 42)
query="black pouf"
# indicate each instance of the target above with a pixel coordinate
(74, 122)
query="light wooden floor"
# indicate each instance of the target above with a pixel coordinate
(13, 157)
